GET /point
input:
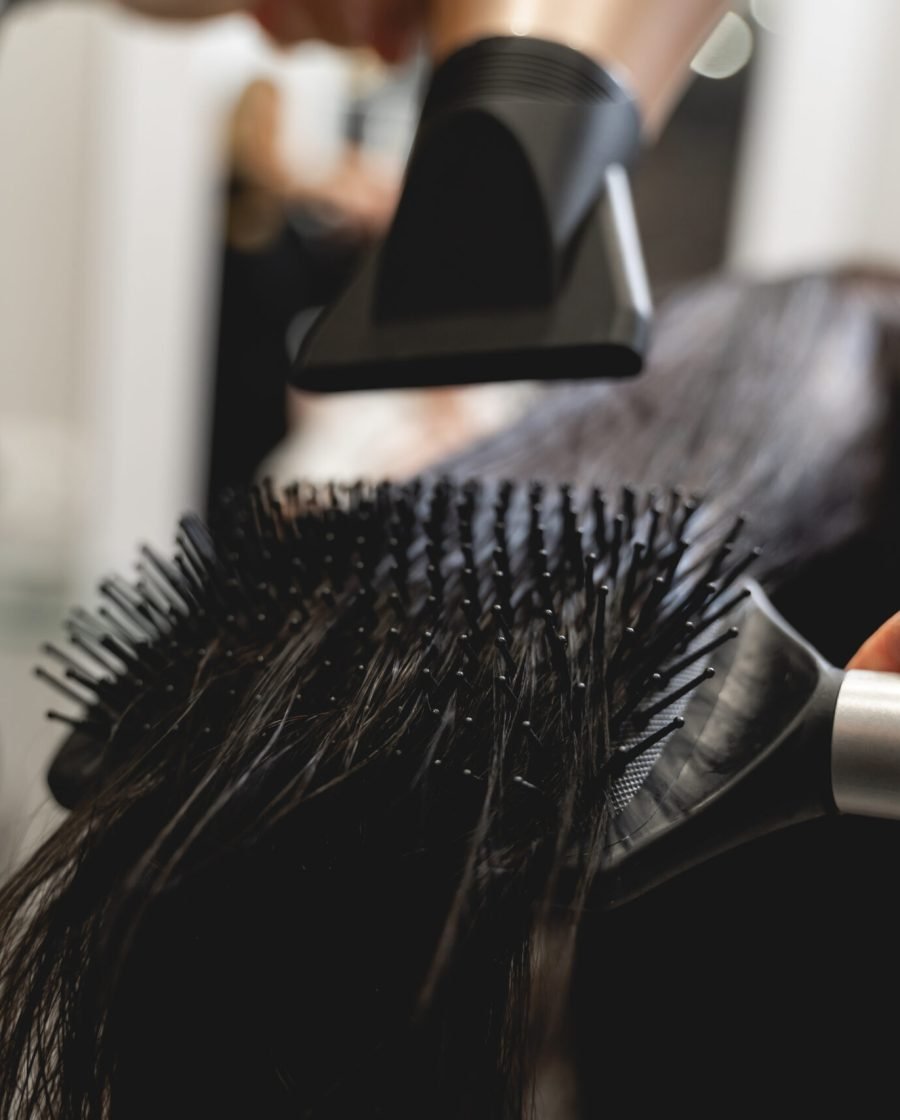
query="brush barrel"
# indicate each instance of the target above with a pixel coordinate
(865, 747)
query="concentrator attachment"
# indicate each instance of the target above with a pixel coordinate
(514, 254)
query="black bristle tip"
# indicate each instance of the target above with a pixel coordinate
(625, 756)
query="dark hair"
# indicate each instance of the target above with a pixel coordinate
(267, 902)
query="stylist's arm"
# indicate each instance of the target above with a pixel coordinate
(390, 26)
(649, 42)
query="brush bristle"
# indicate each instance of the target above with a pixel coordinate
(490, 632)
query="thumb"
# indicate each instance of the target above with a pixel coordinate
(881, 652)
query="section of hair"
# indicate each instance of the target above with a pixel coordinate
(770, 398)
(350, 752)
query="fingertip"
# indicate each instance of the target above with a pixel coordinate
(394, 46)
(264, 14)
(395, 29)
(283, 21)
(881, 652)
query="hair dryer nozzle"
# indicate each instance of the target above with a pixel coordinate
(514, 254)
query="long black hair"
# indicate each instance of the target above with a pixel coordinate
(324, 839)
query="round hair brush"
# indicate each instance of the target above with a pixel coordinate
(579, 681)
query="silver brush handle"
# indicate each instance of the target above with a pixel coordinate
(865, 746)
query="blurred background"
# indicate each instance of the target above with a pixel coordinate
(173, 201)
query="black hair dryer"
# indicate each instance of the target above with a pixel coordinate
(514, 254)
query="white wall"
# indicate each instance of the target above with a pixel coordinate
(151, 219)
(111, 133)
(821, 169)
(45, 93)
(111, 139)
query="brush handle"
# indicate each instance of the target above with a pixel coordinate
(650, 42)
(753, 758)
(865, 746)
(779, 737)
